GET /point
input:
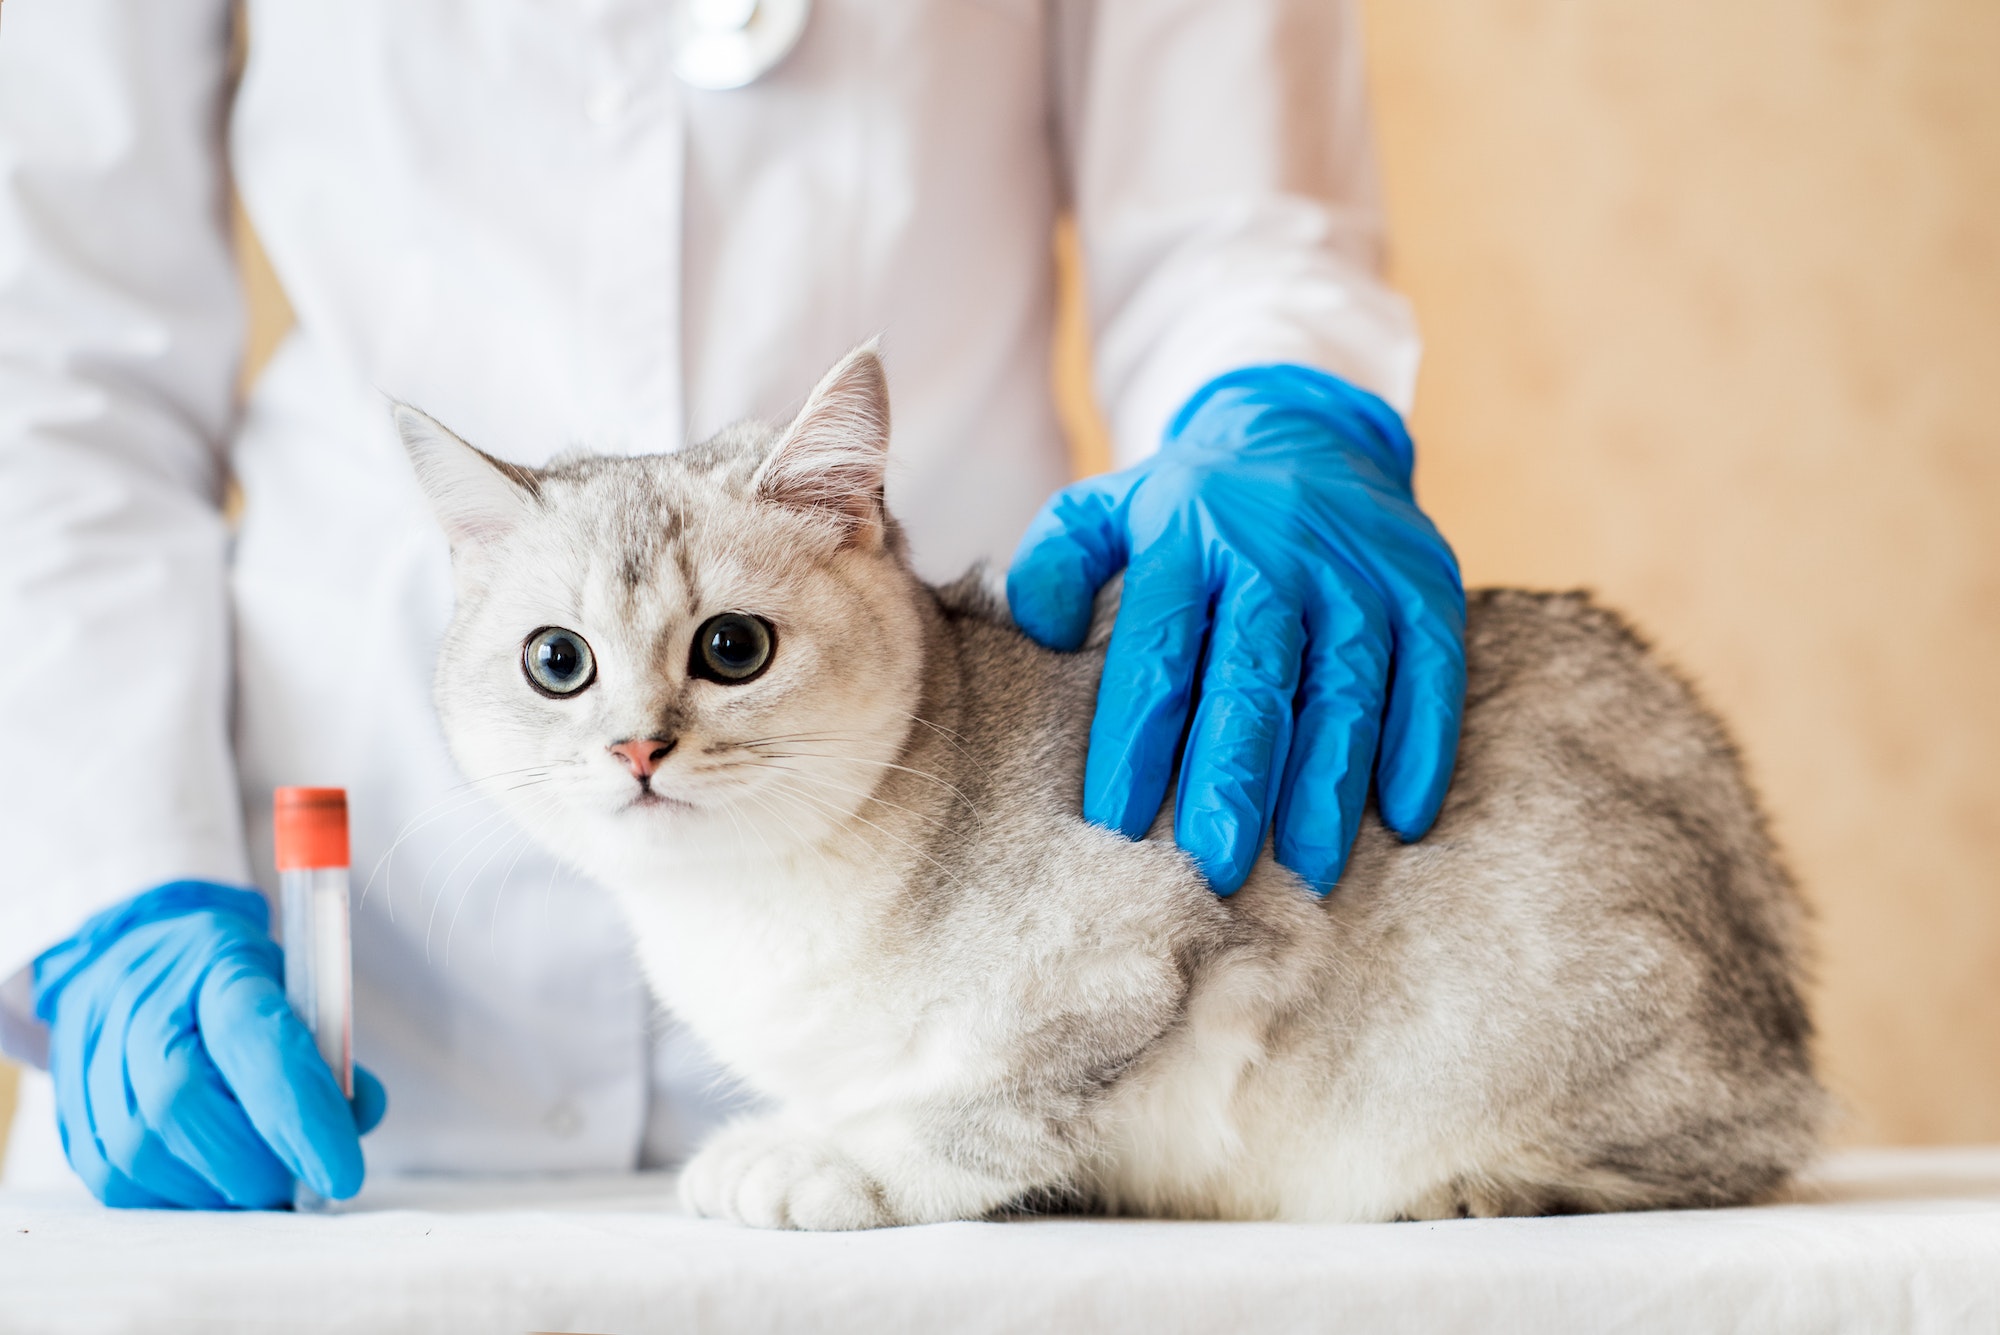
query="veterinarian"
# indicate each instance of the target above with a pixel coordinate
(626, 225)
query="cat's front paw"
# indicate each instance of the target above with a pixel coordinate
(767, 1175)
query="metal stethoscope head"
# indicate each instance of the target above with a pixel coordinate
(722, 44)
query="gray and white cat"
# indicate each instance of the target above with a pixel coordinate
(841, 807)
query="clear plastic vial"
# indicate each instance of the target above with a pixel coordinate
(311, 829)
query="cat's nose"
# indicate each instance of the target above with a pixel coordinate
(643, 755)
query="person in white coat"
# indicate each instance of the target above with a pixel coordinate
(517, 216)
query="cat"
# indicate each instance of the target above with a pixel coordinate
(841, 809)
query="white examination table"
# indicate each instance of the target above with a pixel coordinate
(1877, 1241)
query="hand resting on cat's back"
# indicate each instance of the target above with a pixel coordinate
(840, 808)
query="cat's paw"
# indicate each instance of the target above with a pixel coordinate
(771, 1176)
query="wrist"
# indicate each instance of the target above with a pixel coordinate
(1252, 406)
(55, 967)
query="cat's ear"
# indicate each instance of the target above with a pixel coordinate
(832, 458)
(476, 497)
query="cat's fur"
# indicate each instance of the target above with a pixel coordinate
(865, 883)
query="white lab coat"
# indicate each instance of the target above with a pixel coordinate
(511, 214)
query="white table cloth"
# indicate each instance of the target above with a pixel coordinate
(1874, 1241)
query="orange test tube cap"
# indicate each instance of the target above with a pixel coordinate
(311, 827)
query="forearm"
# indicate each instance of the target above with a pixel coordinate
(119, 336)
(1224, 179)
(120, 774)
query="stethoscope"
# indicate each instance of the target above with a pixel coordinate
(722, 44)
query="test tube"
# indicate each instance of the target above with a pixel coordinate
(311, 829)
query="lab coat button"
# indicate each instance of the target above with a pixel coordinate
(563, 1121)
(721, 15)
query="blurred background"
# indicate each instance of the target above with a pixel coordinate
(1711, 296)
(1711, 293)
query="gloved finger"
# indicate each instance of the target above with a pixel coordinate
(1242, 728)
(183, 1097)
(1142, 700)
(1325, 787)
(68, 1062)
(130, 1144)
(275, 1071)
(1426, 694)
(113, 1188)
(1073, 546)
(370, 1101)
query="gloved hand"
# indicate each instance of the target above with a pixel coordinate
(1273, 547)
(182, 1078)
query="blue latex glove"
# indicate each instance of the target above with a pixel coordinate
(182, 1077)
(1272, 549)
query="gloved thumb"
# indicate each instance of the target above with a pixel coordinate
(1073, 546)
(370, 1101)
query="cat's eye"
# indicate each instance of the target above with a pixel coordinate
(557, 662)
(732, 648)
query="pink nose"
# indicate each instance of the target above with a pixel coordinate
(642, 757)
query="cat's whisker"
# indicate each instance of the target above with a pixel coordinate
(955, 740)
(954, 789)
(384, 865)
(783, 737)
(753, 826)
(833, 809)
(509, 773)
(791, 827)
(501, 839)
(786, 738)
(478, 828)
(867, 795)
(458, 797)
(742, 824)
(735, 822)
(768, 761)
(554, 803)
(556, 865)
(504, 840)
(531, 822)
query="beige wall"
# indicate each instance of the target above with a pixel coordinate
(1712, 296)
(1712, 299)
